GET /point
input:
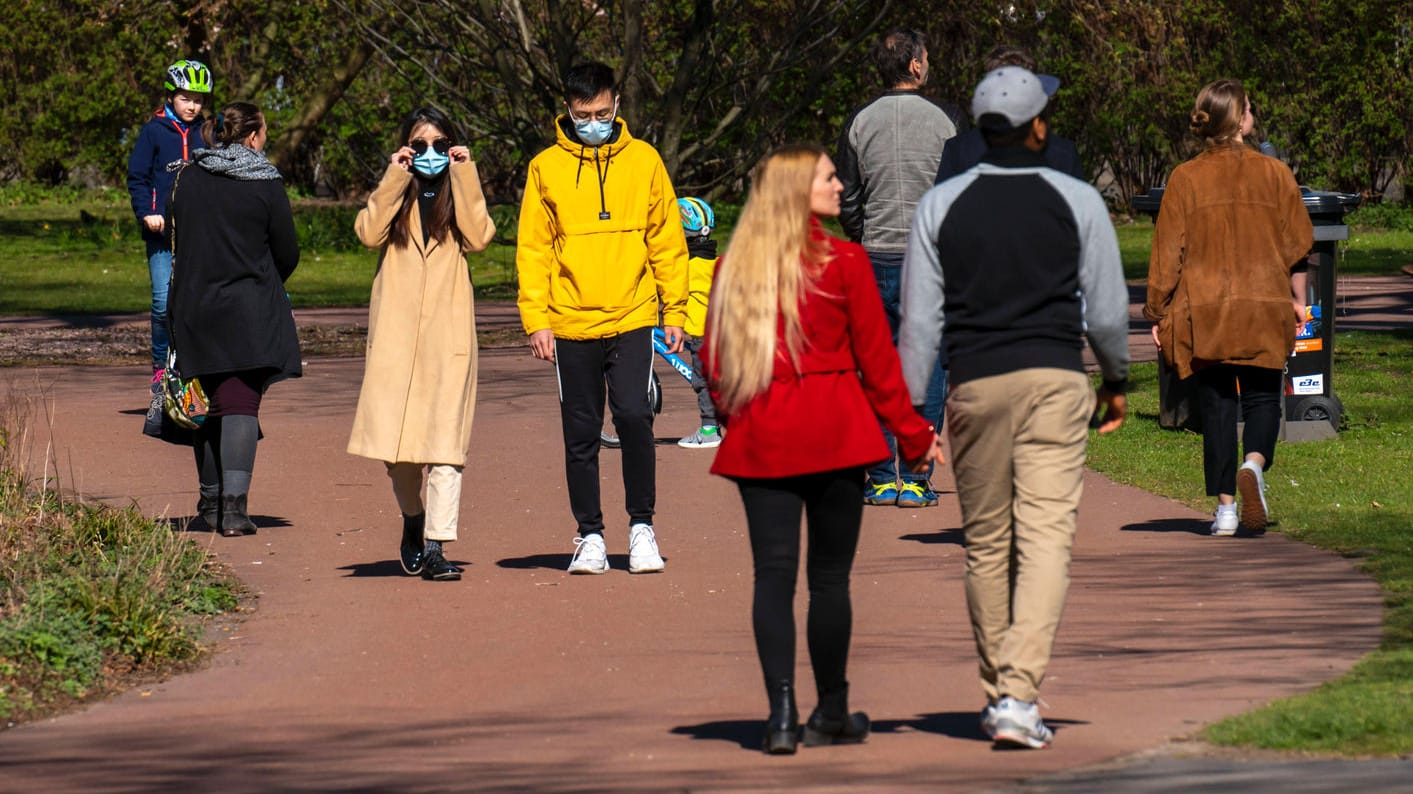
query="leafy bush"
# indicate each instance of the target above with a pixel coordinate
(1393, 217)
(91, 593)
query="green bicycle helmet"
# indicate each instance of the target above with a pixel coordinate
(190, 76)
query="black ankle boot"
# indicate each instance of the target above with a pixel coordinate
(208, 510)
(234, 519)
(782, 727)
(831, 722)
(412, 543)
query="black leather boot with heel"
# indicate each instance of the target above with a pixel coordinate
(782, 727)
(831, 722)
(235, 521)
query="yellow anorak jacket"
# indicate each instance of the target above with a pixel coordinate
(600, 241)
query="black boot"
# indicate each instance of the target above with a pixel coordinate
(208, 510)
(831, 722)
(412, 544)
(782, 727)
(234, 519)
(435, 567)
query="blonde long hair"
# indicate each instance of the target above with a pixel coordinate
(765, 272)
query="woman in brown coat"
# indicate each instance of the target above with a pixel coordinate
(1225, 286)
(419, 383)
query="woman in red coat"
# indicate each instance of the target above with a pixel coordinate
(796, 342)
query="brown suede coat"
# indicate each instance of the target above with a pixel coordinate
(1231, 227)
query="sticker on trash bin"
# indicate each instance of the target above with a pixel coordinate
(1309, 323)
(1309, 384)
(1309, 345)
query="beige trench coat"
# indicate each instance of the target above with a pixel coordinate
(419, 380)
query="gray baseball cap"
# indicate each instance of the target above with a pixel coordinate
(1011, 97)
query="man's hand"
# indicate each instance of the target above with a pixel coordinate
(674, 336)
(153, 223)
(1111, 409)
(542, 344)
(1158, 343)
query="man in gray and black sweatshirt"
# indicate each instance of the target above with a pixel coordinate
(1012, 265)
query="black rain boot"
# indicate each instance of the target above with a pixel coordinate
(208, 507)
(410, 552)
(235, 522)
(782, 727)
(831, 722)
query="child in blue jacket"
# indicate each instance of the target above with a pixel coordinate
(169, 136)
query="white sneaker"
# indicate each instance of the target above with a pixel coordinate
(590, 556)
(1225, 521)
(988, 721)
(1251, 486)
(642, 550)
(706, 437)
(1018, 722)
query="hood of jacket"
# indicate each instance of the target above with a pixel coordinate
(568, 141)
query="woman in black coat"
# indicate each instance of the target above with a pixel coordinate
(233, 243)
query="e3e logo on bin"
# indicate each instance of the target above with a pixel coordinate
(1309, 384)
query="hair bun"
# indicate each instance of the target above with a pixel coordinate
(1199, 121)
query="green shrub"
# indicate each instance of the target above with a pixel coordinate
(1393, 217)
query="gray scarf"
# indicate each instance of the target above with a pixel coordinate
(237, 162)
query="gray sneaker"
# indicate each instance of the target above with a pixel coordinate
(706, 437)
(1018, 723)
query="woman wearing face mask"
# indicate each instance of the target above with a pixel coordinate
(419, 384)
(233, 244)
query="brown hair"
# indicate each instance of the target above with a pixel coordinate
(233, 124)
(439, 223)
(1217, 113)
(1009, 55)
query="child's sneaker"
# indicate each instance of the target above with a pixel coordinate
(706, 437)
(916, 494)
(881, 493)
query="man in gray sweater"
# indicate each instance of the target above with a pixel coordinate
(888, 156)
(1019, 264)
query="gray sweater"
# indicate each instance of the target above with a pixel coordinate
(888, 157)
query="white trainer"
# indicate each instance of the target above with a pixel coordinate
(1224, 523)
(1018, 722)
(988, 721)
(1251, 486)
(643, 556)
(705, 437)
(590, 556)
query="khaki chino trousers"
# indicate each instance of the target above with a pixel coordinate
(1018, 445)
(443, 495)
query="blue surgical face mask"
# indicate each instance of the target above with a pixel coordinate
(592, 132)
(430, 163)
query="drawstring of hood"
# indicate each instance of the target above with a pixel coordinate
(602, 175)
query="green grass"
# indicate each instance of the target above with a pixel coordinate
(91, 597)
(81, 254)
(88, 258)
(1351, 495)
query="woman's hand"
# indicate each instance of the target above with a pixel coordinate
(402, 158)
(1158, 343)
(934, 455)
(459, 154)
(153, 223)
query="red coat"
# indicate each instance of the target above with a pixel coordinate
(823, 417)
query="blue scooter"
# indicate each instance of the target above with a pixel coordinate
(654, 385)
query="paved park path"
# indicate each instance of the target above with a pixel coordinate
(347, 675)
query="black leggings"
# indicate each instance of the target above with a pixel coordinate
(832, 503)
(1260, 400)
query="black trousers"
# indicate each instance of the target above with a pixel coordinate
(623, 364)
(1260, 400)
(832, 503)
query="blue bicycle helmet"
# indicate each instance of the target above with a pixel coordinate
(697, 217)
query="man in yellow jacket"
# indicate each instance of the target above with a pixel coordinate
(601, 252)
